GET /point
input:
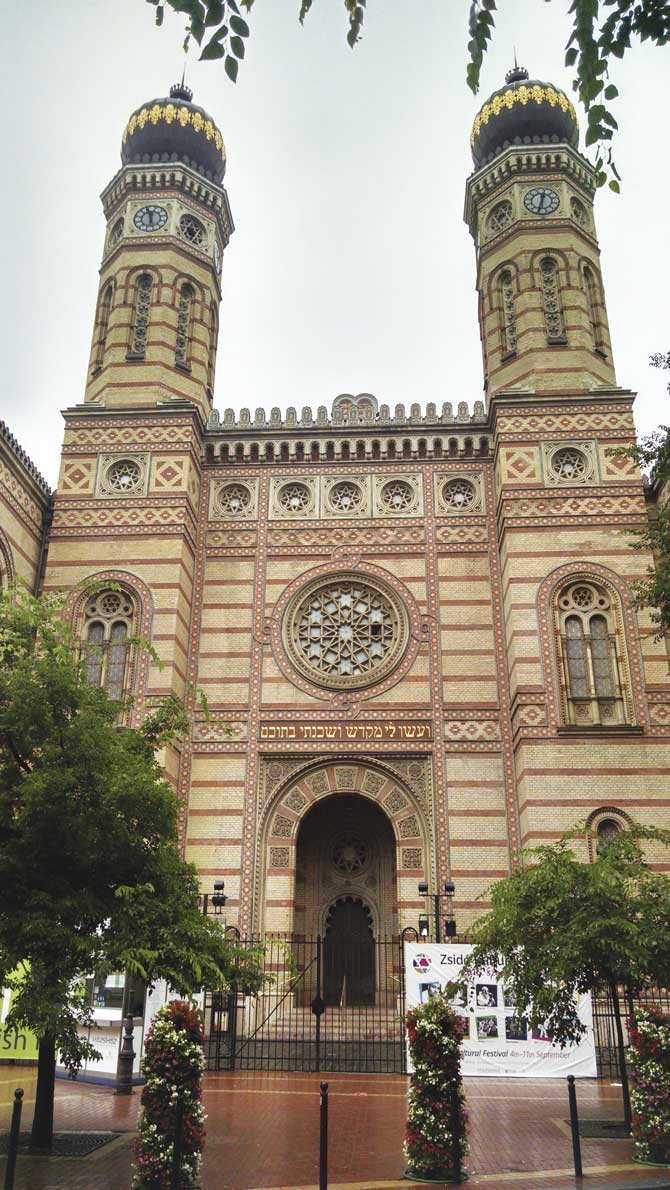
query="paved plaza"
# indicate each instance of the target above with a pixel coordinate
(263, 1133)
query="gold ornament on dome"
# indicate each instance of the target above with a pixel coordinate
(522, 95)
(169, 112)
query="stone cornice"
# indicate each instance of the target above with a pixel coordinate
(520, 160)
(165, 178)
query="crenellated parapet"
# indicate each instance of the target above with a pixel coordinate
(347, 411)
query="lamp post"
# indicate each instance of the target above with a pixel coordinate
(449, 918)
(217, 899)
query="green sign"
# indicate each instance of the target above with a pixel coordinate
(19, 1044)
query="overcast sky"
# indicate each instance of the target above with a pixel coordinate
(350, 268)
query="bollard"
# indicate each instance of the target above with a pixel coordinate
(175, 1180)
(456, 1136)
(14, 1131)
(124, 1066)
(574, 1125)
(323, 1138)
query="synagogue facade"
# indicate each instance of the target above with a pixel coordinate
(414, 626)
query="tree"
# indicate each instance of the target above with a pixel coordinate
(653, 454)
(590, 48)
(90, 876)
(560, 928)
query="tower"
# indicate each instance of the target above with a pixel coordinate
(128, 499)
(529, 207)
(168, 223)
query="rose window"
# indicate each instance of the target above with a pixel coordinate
(124, 476)
(582, 598)
(458, 495)
(569, 464)
(397, 496)
(349, 855)
(233, 499)
(191, 229)
(109, 603)
(345, 497)
(345, 632)
(294, 498)
(500, 216)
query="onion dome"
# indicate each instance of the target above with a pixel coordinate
(523, 112)
(174, 129)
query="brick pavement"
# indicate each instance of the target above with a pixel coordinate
(263, 1133)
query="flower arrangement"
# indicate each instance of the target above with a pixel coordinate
(436, 1108)
(173, 1058)
(650, 1077)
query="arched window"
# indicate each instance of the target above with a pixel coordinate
(213, 344)
(591, 291)
(184, 316)
(104, 308)
(140, 322)
(108, 620)
(507, 313)
(591, 655)
(551, 296)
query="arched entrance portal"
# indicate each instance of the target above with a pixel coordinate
(349, 954)
(345, 871)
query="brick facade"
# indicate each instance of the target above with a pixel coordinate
(464, 745)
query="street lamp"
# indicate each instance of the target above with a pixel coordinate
(217, 899)
(449, 918)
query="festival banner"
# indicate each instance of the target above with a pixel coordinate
(18, 1044)
(498, 1042)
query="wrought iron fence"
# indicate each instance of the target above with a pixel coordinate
(604, 1022)
(325, 1007)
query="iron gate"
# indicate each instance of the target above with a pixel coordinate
(325, 1007)
(604, 1022)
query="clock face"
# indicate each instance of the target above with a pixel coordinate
(541, 201)
(150, 218)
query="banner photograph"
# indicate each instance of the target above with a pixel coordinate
(499, 1041)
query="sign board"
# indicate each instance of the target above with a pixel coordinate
(498, 1041)
(18, 1044)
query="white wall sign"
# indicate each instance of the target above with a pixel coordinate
(498, 1041)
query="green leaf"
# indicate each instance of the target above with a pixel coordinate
(571, 57)
(231, 67)
(212, 50)
(239, 26)
(614, 185)
(237, 46)
(215, 12)
(611, 92)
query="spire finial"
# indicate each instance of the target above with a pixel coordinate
(518, 74)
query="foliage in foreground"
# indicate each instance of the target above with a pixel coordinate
(650, 1077)
(173, 1058)
(652, 454)
(435, 1032)
(559, 928)
(90, 873)
(594, 42)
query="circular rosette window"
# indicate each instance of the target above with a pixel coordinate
(345, 631)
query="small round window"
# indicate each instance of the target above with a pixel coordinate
(569, 464)
(398, 496)
(501, 216)
(192, 229)
(233, 499)
(345, 497)
(294, 498)
(458, 495)
(124, 475)
(344, 631)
